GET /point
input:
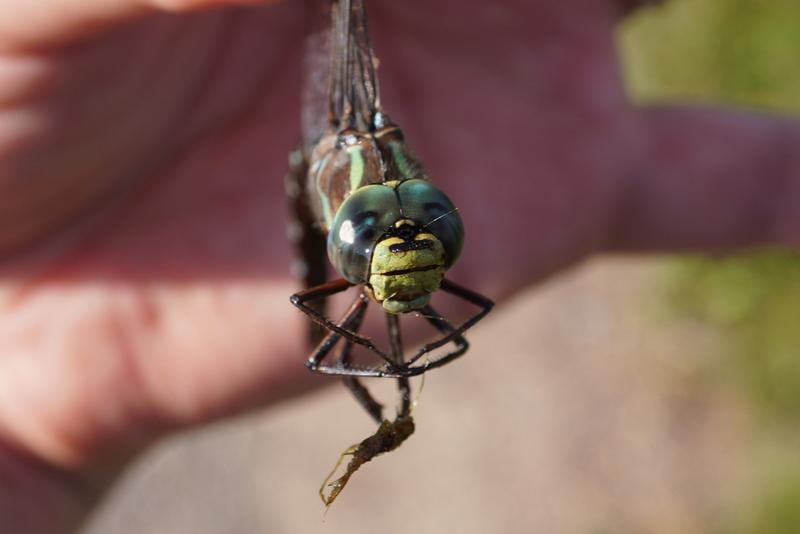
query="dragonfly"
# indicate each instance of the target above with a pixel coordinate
(363, 199)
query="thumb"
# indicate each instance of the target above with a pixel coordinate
(30, 25)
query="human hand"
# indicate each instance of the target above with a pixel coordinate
(144, 273)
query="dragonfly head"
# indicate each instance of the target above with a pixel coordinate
(398, 238)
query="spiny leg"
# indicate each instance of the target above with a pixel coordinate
(393, 369)
(396, 344)
(359, 391)
(353, 316)
(304, 300)
(451, 333)
(364, 397)
(443, 326)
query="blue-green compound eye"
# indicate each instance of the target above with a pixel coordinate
(359, 223)
(371, 210)
(428, 207)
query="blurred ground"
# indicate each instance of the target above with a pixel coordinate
(579, 409)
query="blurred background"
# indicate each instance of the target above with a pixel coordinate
(628, 395)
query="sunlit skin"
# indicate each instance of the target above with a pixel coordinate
(144, 275)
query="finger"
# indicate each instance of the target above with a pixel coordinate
(712, 179)
(50, 23)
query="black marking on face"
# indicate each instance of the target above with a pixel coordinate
(421, 244)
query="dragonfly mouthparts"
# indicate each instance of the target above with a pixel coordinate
(421, 244)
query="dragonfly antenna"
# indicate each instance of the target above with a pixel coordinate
(442, 216)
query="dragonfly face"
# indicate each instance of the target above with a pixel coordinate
(398, 237)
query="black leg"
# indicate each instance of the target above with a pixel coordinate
(393, 369)
(441, 324)
(364, 398)
(302, 300)
(452, 334)
(342, 330)
(396, 343)
(352, 316)
(359, 391)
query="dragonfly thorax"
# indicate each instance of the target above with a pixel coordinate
(398, 238)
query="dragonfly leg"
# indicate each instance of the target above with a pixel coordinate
(443, 326)
(342, 330)
(394, 369)
(364, 397)
(396, 344)
(454, 334)
(305, 298)
(359, 391)
(352, 317)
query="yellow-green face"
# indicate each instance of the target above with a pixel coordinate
(398, 238)
(403, 281)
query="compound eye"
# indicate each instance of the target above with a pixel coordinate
(359, 223)
(424, 203)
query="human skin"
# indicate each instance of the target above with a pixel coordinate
(143, 264)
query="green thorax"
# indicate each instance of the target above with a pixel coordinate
(344, 162)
